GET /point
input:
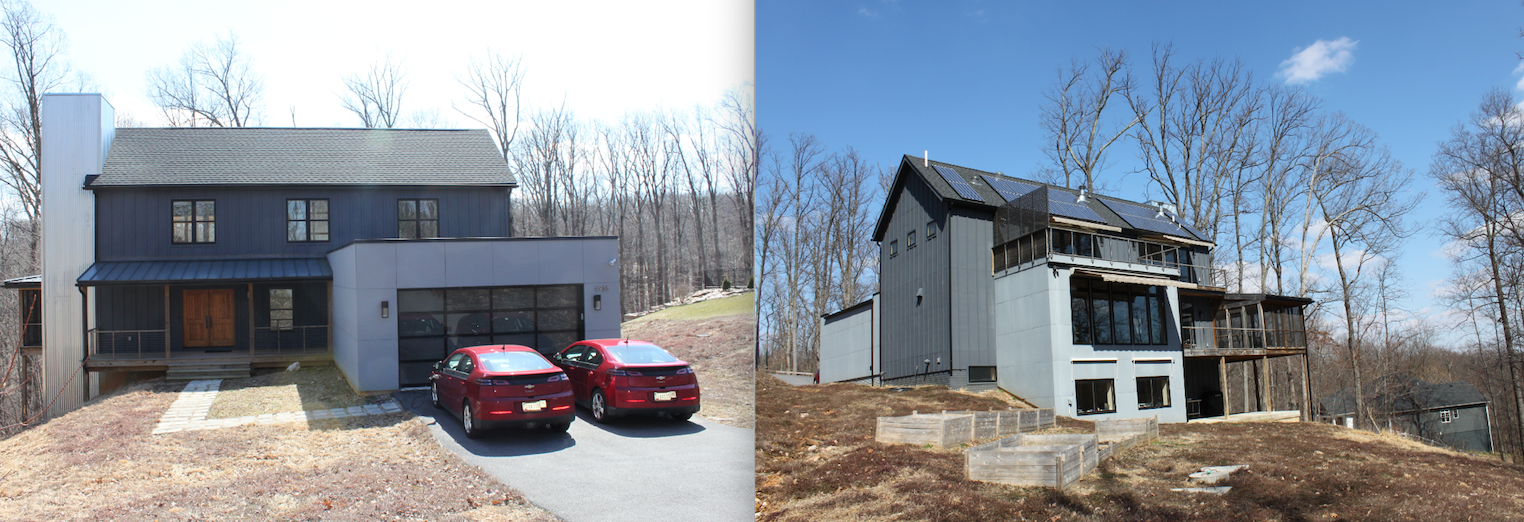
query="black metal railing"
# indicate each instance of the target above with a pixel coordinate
(295, 339)
(1047, 242)
(125, 344)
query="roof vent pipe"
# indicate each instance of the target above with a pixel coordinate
(1081, 198)
(926, 160)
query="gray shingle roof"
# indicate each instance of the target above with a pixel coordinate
(286, 156)
(1406, 393)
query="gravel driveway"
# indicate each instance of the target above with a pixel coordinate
(635, 469)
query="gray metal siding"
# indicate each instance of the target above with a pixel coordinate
(846, 346)
(135, 224)
(913, 333)
(973, 299)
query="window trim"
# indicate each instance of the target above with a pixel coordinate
(417, 221)
(1165, 403)
(931, 229)
(894, 248)
(1154, 299)
(307, 202)
(910, 240)
(290, 324)
(1446, 416)
(193, 221)
(1111, 397)
(993, 377)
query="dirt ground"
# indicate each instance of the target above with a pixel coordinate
(816, 460)
(718, 338)
(310, 388)
(102, 463)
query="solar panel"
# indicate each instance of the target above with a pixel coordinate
(958, 183)
(1196, 232)
(1009, 189)
(1144, 218)
(1062, 203)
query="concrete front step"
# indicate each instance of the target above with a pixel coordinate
(191, 372)
(196, 376)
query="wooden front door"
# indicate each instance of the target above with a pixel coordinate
(208, 317)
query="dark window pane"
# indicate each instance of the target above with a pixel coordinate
(513, 322)
(296, 231)
(430, 349)
(1140, 319)
(204, 233)
(467, 299)
(420, 301)
(407, 229)
(981, 374)
(428, 229)
(280, 298)
(182, 232)
(1156, 319)
(407, 209)
(556, 296)
(1100, 308)
(206, 211)
(319, 209)
(415, 324)
(296, 209)
(1079, 316)
(1121, 331)
(555, 342)
(467, 341)
(512, 298)
(428, 209)
(182, 210)
(563, 319)
(319, 231)
(468, 324)
(519, 339)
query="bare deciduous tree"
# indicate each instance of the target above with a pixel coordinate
(1078, 128)
(213, 84)
(494, 92)
(376, 95)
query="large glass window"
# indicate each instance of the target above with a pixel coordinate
(281, 309)
(1102, 313)
(306, 220)
(193, 221)
(1153, 392)
(1100, 307)
(1094, 396)
(417, 218)
(31, 320)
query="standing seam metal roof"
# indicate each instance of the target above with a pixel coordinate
(287, 156)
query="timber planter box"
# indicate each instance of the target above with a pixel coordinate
(942, 430)
(1033, 460)
(1147, 429)
(995, 423)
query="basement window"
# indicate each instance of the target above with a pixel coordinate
(981, 374)
(1153, 392)
(1093, 396)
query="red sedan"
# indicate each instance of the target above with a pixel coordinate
(502, 386)
(614, 377)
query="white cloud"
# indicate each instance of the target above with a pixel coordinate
(1322, 57)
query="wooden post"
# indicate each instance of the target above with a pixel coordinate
(1222, 378)
(1264, 382)
(1306, 389)
(330, 316)
(167, 335)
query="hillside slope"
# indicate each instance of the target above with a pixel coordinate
(718, 337)
(817, 460)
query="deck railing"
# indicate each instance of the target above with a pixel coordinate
(125, 344)
(1213, 338)
(295, 339)
(1089, 245)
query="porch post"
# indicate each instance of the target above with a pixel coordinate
(251, 319)
(1264, 381)
(1306, 388)
(330, 316)
(1222, 379)
(166, 322)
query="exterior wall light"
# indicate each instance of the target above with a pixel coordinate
(386, 309)
(597, 301)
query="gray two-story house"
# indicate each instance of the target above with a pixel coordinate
(205, 250)
(1093, 305)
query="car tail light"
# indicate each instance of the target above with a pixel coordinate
(557, 377)
(558, 408)
(484, 382)
(624, 373)
(684, 370)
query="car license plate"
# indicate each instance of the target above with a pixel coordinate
(534, 405)
(665, 396)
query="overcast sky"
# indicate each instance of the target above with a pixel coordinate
(601, 58)
(963, 79)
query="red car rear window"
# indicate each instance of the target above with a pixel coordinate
(640, 354)
(513, 362)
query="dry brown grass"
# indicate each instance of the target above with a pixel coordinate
(101, 463)
(311, 388)
(816, 460)
(718, 346)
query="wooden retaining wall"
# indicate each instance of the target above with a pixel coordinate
(943, 430)
(1119, 429)
(1033, 460)
(995, 423)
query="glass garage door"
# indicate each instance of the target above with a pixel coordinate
(432, 323)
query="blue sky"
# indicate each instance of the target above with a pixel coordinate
(964, 79)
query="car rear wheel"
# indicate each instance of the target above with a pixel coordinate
(468, 421)
(682, 416)
(599, 406)
(559, 427)
(434, 394)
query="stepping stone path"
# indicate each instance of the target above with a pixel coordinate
(188, 413)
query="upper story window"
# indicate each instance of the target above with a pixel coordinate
(193, 221)
(894, 248)
(1102, 313)
(931, 229)
(417, 218)
(306, 220)
(910, 240)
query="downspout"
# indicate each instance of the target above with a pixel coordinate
(84, 326)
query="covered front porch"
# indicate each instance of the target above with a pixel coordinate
(150, 314)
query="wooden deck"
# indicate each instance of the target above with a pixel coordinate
(257, 360)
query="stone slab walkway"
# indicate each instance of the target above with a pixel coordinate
(188, 412)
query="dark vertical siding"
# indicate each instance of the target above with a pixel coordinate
(129, 308)
(309, 302)
(251, 222)
(911, 333)
(973, 297)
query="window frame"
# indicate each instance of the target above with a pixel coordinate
(1143, 307)
(417, 220)
(1111, 396)
(1446, 416)
(994, 375)
(289, 322)
(894, 248)
(195, 206)
(1152, 386)
(307, 220)
(910, 240)
(931, 229)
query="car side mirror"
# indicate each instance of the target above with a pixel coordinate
(437, 366)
